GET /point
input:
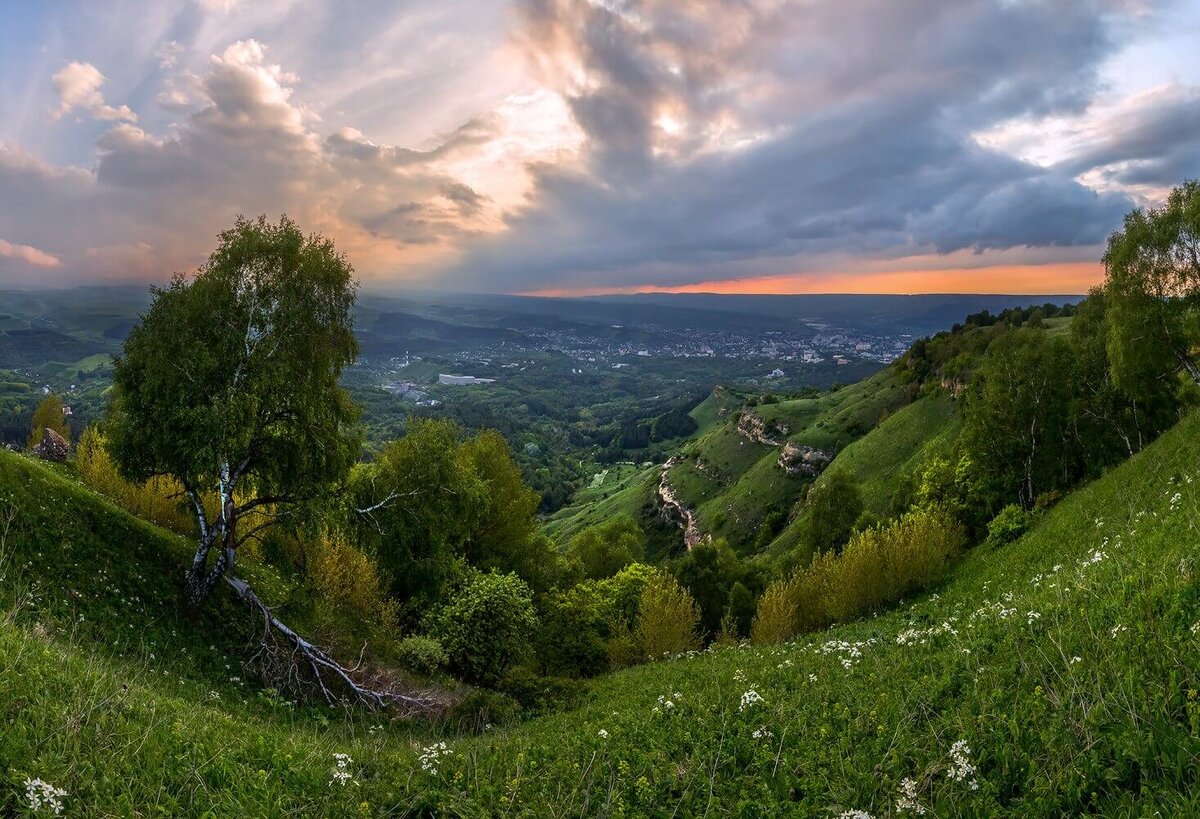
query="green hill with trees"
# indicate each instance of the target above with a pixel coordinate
(964, 586)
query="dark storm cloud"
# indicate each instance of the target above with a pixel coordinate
(856, 123)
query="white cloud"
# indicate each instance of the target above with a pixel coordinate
(28, 254)
(78, 86)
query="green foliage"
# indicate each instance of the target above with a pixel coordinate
(49, 415)
(1009, 524)
(421, 654)
(833, 506)
(668, 619)
(878, 566)
(708, 571)
(1153, 283)
(436, 499)
(1019, 617)
(486, 625)
(604, 550)
(1018, 415)
(156, 500)
(238, 365)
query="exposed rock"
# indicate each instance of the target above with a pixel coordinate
(674, 511)
(52, 447)
(798, 459)
(954, 386)
(753, 426)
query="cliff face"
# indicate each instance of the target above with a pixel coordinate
(754, 427)
(797, 459)
(674, 510)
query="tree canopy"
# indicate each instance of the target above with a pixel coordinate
(229, 382)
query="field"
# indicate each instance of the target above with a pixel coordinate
(1053, 676)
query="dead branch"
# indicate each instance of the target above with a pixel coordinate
(325, 670)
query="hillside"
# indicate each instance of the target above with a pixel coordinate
(1065, 663)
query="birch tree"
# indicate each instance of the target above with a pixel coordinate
(229, 385)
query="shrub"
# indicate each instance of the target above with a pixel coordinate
(775, 619)
(423, 655)
(486, 625)
(878, 566)
(538, 694)
(1009, 524)
(834, 504)
(668, 620)
(480, 709)
(345, 578)
(157, 500)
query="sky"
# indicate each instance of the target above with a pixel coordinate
(563, 147)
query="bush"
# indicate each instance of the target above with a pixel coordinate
(423, 655)
(481, 709)
(879, 566)
(669, 619)
(775, 619)
(1011, 522)
(538, 694)
(486, 626)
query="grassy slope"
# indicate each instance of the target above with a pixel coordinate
(1067, 661)
(883, 457)
(741, 482)
(624, 493)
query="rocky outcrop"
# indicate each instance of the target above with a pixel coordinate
(673, 510)
(798, 459)
(52, 447)
(754, 427)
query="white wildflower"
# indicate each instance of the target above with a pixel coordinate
(763, 733)
(749, 699)
(44, 795)
(961, 768)
(602, 734)
(908, 801)
(341, 771)
(432, 756)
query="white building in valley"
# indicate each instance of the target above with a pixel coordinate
(462, 380)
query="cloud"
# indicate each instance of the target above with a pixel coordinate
(78, 86)
(28, 254)
(751, 137)
(608, 143)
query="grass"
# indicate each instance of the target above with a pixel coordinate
(1068, 663)
(883, 458)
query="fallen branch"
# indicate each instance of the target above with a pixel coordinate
(324, 667)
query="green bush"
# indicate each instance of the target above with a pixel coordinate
(878, 566)
(481, 709)
(668, 620)
(540, 694)
(1011, 522)
(423, 655)
(486, 626)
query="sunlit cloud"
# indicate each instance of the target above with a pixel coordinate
(601, 145)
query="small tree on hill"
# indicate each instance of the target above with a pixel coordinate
(668, 618)
(229, 385)
(1153, 287)
(49, 414)
(834, 504)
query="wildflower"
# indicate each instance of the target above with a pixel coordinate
(961, 768)
(854, 814)
(341, 771)
(1195, 628)
(1117, 629)
(750, 698)
(432, 756)
(44, 795)
(908, 801)
(602, 734)
(1033, 616)
(763, 733)
(1076, 659)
